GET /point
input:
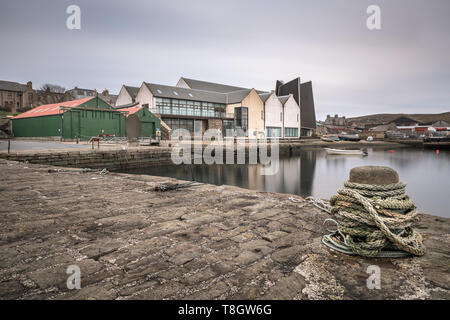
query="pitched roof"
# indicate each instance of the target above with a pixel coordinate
(265, 96)
(163, 91)
(210, 86)
(237, 96)
(214, 87)
(51, 109)
(131, 110)
(128, 105)
(132, 91)
(12, 86)
(283, 99)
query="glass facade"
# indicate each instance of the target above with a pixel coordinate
(174, 124)
(291, 132)
(273, 131)
(189, 108)
(228, 128)
(241, 121)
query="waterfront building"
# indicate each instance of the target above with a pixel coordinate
(193, 110)
(282, 116)
(82, 118)
(303, 95)
(198, 105)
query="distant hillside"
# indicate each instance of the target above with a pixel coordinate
(384, 118)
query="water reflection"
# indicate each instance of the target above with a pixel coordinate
(312, 172)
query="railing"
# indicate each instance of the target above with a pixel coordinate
(192, 113)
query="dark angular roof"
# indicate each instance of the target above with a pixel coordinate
(307, 109)
(163, 91)
(132, 91)
(303, 95)
(214, 87)
(210, 86)
(12, 86)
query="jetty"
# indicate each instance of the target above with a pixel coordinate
(199, 242)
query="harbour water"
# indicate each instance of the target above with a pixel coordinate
(312, 172)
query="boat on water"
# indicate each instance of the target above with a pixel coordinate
(346, 152)
(349, 137)
(442, 142)
(329, 138)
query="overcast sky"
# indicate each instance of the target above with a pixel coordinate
(404, 67)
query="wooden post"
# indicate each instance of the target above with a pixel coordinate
(9, 145)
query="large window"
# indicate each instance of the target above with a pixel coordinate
(174, 124)
(291, 132)
(228, 128)
(241, 120)
(273, 131)
(189, 108)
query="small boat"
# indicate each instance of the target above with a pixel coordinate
(349, 137)
(329, 138)
(346, 152)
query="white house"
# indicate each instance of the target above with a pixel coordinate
(273, 110)
(282, 116)
(127, 95)
(291, 117)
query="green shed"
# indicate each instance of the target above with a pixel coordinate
(83, 118)
(149, 122)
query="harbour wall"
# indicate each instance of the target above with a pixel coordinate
(140, 157)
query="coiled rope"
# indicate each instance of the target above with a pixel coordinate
(374, 221)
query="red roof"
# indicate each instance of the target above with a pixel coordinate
(51, 109)
(131, 110)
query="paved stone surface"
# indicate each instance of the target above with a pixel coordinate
(20, 145)
(201, 242)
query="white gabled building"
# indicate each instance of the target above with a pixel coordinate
(291, 117)
(127, 95)
(273, 111)
(282, 116)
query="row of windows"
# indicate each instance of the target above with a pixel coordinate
(291, 132)
(273, 131)
(189, 108)
(174, 124)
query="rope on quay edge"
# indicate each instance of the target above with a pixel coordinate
(84, 170)
(371, 221)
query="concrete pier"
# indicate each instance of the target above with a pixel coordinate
(200, 242)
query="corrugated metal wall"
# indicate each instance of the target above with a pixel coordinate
(37, 127)
(83, 122)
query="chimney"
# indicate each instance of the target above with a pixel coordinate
(30, 85)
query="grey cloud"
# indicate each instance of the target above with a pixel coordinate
(404, 67)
